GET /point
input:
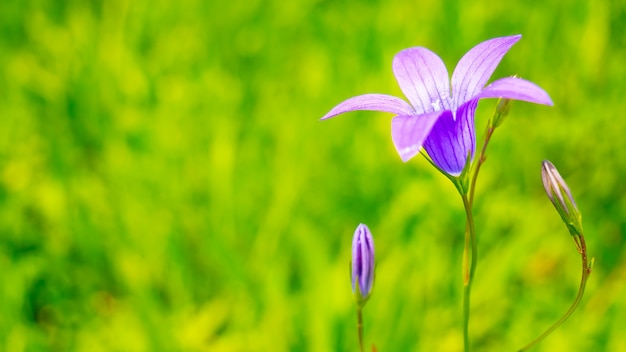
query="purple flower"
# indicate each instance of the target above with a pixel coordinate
(440, 118)
(362, 261)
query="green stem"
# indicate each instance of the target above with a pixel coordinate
(470, 242)
(586, 271)
(470, 252)
(470, 235)
(479, 162)
(359, 326)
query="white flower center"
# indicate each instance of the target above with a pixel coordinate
(436, 105)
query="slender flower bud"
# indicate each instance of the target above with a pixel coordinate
(362, 263)
(561, 197)
(502, 109)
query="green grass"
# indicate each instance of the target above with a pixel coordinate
(166, 184)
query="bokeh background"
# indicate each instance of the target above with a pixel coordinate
(166, 184)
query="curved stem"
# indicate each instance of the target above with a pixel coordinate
(586, 270)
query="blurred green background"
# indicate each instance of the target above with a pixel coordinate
(166, 184)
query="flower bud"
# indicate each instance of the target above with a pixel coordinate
(502, 109)
(561, 197)
(362, 263)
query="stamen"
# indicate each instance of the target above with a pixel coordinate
(436, 105)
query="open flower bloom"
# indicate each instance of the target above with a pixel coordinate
(362, 262)
(440, 112)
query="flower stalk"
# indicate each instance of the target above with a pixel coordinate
(563, 201)
(586, 271)
(470, 260)
(466, 191)
(502, 109)
(359, 317)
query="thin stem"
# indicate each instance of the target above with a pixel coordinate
(586, 270)
(470, 234)
(470, 241)
(467, 194)
(359, 325)
(480, 161)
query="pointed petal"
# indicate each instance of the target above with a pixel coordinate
(409, 132)
(423, 78)
(476, 66)
(452, 140)
(372, 102)
(516, 89)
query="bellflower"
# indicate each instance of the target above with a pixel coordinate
(440, 113)
(362, 262)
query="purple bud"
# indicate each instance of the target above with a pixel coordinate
(362, 262)
(561, 197)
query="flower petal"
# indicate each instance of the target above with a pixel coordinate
(453, 139)
(409, 132)
(423, 78)
(517, 89)
(372, 102)
(476, 66)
